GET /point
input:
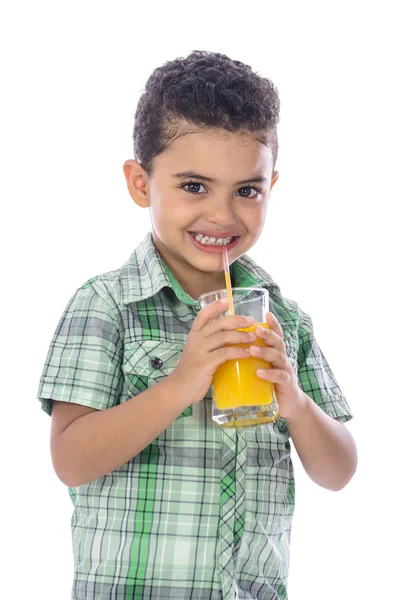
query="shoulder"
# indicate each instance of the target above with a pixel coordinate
(287, 310)
(105, 285)
(101, 296)
(248, 273)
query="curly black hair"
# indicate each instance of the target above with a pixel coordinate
(208, 90)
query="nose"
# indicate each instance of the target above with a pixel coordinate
(221, 213)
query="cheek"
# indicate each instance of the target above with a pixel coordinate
(169, 208)
(253, 217)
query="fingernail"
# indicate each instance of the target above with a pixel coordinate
(224, 300)
(249, 320)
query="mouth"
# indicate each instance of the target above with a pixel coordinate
(215, 245)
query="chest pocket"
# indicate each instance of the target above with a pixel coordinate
(147, 362)
(151, 359)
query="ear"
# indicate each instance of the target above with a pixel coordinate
(138, 183)
(274, 179)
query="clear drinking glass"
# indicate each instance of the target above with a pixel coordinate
(240, 397)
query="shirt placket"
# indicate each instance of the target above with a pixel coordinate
(231, 524)
(240, 473)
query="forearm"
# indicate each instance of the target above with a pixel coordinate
(101, 441)
(326, 448)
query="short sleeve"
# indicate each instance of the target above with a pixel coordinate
(315, 375)
(83, 364)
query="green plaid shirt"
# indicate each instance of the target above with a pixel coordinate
(202, 513)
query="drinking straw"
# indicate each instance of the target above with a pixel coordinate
(228, 281)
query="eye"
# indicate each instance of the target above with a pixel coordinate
(193, 187)
(249, 191)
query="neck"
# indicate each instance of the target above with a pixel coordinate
(193, 282)
(207, 285)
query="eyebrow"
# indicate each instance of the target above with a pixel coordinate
(191, 175)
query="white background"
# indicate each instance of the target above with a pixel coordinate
(71, 74)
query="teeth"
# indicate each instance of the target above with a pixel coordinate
(212, 241)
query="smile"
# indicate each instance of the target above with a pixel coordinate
(213, 244)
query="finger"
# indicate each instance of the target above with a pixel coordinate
(210, 312)
(228, 353)
(223, 338)
(271, 338)
(274, 324)
(274, 375)
(228, 323)
(275, 357)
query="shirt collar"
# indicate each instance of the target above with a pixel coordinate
(145, 274)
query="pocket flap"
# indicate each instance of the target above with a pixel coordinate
(152, 361)
(152, 358)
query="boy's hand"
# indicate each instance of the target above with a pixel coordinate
(206, 348)
(288, 393)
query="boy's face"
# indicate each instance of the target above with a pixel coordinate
(209, 183)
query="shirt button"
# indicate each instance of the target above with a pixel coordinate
(156, 363)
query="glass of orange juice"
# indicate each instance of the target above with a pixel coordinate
(240, 397)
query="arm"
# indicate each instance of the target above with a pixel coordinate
(87, 444)
(325, 446)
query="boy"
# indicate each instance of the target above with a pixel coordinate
(166, 503)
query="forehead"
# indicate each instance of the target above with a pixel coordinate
(221, 153)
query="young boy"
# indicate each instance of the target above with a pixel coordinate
(168, 505)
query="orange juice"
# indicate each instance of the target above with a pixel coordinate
(236, 382)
